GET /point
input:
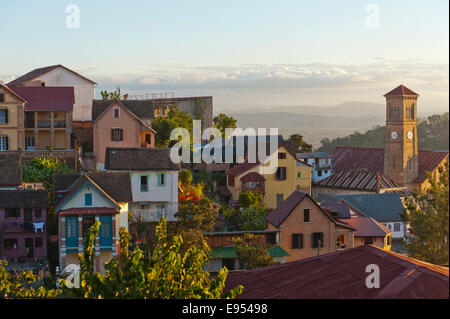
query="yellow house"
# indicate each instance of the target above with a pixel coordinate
(276, 185)
(11, 120)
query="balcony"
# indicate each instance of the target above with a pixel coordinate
(44, 124)
(21, 227)
(29, 123)
(59, 124)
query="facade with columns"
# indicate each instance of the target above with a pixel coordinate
(92, 197)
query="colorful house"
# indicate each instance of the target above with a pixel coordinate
(291, 174)
(80, 200)
(154, 181)
(121, 124)
(306, 229)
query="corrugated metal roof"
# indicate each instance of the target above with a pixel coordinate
(367, 227)
(252, 177)
(342, 275)
(46, 98)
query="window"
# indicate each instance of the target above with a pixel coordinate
(299, 175)
(281, 174)
(148, 139)
(297, 241)
(88, 199)
(72, 232)
(105, 231)
(161, 179)
(144, 183)
(38, 242)
(12, 212)
(280, 198)
(396, 226)
(230, 180)
(319, 173)
(37, 213)
(388, 240)
(3, 116)
(116, 112)
(281, 155)
(10, 243)
(3, 143)
(316, 238)
(2, 97)
(86, 224)
(306, 215)
(116, 134)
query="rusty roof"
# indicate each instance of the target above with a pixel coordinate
(368, 227)
(401, 90)
(252, 177)
(342, 275)
(348, 158)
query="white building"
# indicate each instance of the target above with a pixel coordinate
(320, 164)
(59, 75)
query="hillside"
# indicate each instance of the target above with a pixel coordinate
(433, 133)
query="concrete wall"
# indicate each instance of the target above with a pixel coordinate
(14, 129)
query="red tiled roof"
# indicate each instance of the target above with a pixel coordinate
(367, 227)
(46, 98)
(342, 275)
(241, 168)
(359, 180)
(252, 177)
(346, 158)
(401, 90)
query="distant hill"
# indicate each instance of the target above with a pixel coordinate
(433, 133)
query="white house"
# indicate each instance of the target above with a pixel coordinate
(59, 75)
(320, 164)
(154, 181)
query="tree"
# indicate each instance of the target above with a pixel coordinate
(185, 177)
(223, 121)
(250, 199)
(251, 254)
(170, 273)
(20, 284)
(428, 215)
(113, 95)
(301, 145)
(165, 125)
(253, 218)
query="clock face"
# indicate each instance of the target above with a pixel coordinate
(409, 135)
(394, 135)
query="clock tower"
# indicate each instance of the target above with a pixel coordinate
(401, 159)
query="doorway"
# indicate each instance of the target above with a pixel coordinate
(29, 247)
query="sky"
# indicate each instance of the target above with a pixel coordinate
(246, 54)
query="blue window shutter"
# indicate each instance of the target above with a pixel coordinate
(88, 199)
(72, 231)
(105, 231)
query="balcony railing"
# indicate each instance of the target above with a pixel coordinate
(44, 124)
(20, 227)
(59, 124)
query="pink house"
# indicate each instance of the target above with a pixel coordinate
(120, 124)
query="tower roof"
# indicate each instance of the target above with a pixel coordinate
(401, 90)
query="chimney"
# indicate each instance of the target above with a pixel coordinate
(125, 96)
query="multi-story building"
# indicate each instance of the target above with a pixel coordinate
(154, 181)
(320, 164)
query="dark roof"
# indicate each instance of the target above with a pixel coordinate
(10, 169)
(139, 159)
(50, 98)
(359, 180)
(335, 206)
(115, 185)
(252, 177)
(141, 108)
(278, 215)
(41, 71)
(347, 158)
(384, 207)
(342, 275)
(241, 168)
(23, 198)
(367, 227)
(313, 155)
(12, 92)
(401, 90)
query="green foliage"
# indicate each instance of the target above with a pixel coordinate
(253, 218)
(185, 177)
(165, 125)
(220, 178)
(428, 215)
(251, 253)
(433, 133)
(223, 121)
(171, 274)
(203, 177)
(113, 95)
(251, 199)
(20, 284)
(301, 145)
(42, 169)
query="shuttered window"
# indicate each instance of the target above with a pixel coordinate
(316, 238)
(72, 232)
(281, 174)
(105, 231)
(297, 241)
(306, 215)
(4, 116)
(116, 134)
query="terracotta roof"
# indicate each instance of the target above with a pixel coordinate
(24, 198)
(41, 71)
(252, 177)
(10, 169)
(367, 227)
(50, 98)
(139, 159)
(346, 158)
(277, 216)
(400, 91)
(342, 275)
(359, 180)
